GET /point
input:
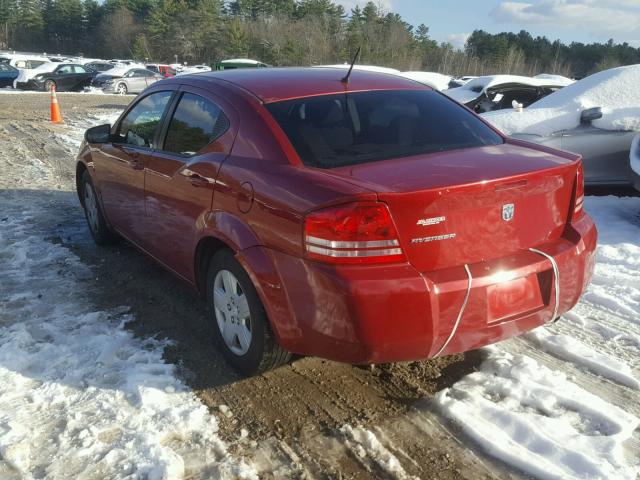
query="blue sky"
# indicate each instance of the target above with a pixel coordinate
(569, 20)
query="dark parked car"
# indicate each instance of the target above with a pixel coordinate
(65, 77)
(367, 221)
(7, 75)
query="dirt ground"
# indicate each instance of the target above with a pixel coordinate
(288, 422)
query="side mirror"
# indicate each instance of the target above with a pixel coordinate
(590, 114)
(99, 134)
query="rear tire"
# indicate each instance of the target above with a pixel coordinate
(98, 227)
(121, 88)
(48, 84)
(238, 319)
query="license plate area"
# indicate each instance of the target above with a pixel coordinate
(513, 298)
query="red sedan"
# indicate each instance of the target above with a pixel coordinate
(373, 220)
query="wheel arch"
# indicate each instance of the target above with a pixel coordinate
(80, 169)
(237, 237)
(220, 230)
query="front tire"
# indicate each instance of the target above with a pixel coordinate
(98, 227)
(239, 322)
(122, 89)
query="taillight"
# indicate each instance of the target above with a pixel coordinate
(578, 209)
(352, 233)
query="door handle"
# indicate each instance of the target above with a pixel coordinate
(198, 180)
(134, 159)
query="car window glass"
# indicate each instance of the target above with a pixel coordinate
(147, 73)
(139, 73)
(64, 69)
(337, 130)
(129, 74)
(79, 69)
(195, 123)
(4, 67)
(139, 126)
(21, 64)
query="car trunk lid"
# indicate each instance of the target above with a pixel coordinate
(467, 206)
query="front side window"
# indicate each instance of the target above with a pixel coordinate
(79, 69)
(63, 69)
(195, 123)
(345, 129)
(141, 123)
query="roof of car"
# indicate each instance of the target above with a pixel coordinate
(277, 84)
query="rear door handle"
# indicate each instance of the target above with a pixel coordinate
(198, 180)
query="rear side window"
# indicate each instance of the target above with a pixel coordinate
(139, 127)
(345, 129)
(196, 123)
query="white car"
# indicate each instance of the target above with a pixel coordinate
(498, 92)
(26, 74)
(21, 61)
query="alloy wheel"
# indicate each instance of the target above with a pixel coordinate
(91, 207)
(122, 89)
(232, 312)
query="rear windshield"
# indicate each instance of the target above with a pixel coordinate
(345, 129)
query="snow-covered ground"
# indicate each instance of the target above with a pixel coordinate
(82, 397)
(552, 420)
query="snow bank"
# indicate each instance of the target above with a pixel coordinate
(616, 91)
(476, 87)
(432, 79)
(538, 421)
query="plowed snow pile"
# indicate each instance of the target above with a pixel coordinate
(616, 91)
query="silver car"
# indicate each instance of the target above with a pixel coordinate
(596, 117)
(123, 81)
(605, 153)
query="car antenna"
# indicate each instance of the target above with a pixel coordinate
(345, 79)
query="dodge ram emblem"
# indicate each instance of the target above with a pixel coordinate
(508, 210)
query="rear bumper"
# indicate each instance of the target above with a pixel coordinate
(388, 313)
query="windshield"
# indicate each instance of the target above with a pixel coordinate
(345, 129)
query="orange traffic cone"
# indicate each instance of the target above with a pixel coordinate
(56, 116)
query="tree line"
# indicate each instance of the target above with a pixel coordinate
(283, 32)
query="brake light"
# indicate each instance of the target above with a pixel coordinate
(578, 209)
(352, 233)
